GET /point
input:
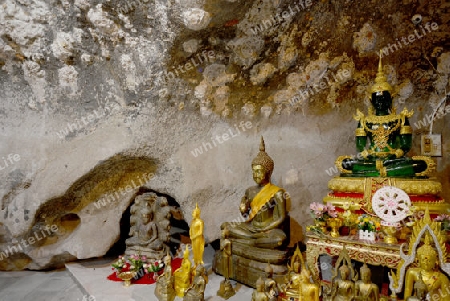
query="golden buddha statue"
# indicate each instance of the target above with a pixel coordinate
(308, 290)
(343, 288)
(226, 289)
(431, 256)
(293, 287)
(196, 292)
(437, 283)
(365, 290)
(183, 274)
(270, 285)
(262, 237)
(196, 235)
(164, 289)
(259, 294)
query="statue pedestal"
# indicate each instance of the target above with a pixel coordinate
(422, 192)
(246, 270)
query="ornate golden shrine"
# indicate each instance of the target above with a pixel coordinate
(374, 253)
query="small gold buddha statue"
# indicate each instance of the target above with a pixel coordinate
(343, 288)
(270, 285)
(226, 289)
(292, 288)
(259, 294)
(183, 275)
(262, 237)
(300, 286)
(196, 292)
(365, 290)
(437, 283)
(196, 235)
(308, 290)
(420, 291)
(164, 289)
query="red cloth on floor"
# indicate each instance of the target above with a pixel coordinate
(148, 278)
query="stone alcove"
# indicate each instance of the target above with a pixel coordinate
(179, 227)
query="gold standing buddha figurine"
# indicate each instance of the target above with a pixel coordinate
(196, 235)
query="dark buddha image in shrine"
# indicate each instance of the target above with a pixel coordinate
(275, 150)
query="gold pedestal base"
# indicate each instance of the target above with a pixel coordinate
(423, 192)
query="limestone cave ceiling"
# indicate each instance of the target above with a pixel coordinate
(224, 57)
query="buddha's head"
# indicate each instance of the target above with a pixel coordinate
(381, 92)
(262, 166)
(296, 266)
(146, 216)
(167, 259)
(260, 285)
(196, 212)
(381, 101)
(427, 255)
(200, 269)
(365, 274)
(268, 271)
(345, 271)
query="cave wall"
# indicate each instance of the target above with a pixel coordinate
(100, 98)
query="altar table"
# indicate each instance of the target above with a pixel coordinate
(371, 252)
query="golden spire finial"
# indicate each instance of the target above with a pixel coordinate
(381, 83)
(426, 217)
(197, 209)
(262, 145)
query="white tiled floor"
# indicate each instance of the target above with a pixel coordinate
(39, 286)
(86, 281)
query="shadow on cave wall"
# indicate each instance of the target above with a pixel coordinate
(107, 176)
(179, 227)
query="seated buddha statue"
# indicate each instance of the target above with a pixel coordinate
(144, 235)
(259, 294)
(183, 275)
(390, 137)
(164, 289)
(196, 292)
(262, 237)
(271, 286)
(365, 290)
(437, 283)
(343, 288)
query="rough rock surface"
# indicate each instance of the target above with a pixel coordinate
(102, 100)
